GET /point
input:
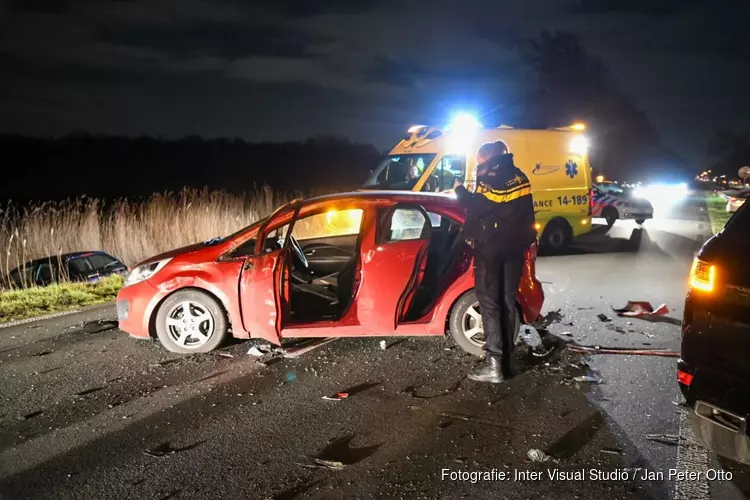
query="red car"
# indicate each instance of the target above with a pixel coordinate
(348, 265)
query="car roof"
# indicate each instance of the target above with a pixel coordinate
(65, 257)
(443, 201)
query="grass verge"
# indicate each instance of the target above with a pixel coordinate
(717, 211)
(38, 301)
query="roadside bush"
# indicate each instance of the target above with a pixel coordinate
(36, 301)
(129, 230)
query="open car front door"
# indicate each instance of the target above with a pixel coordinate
(260, 281)
(393, 270)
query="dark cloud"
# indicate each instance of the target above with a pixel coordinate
(282, 69)
(223, 40)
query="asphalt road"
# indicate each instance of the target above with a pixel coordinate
(96, 414)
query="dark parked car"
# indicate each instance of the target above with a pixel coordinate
(714, 369)
(79, 266)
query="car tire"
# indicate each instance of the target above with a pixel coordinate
(557, 236)
(204, 330)
(610, 215)
(640, 221)
(462, 321)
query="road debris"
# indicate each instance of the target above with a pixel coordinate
(539, 456)
(337, 397)
(584, 349)
(567, 334)
(616, 328)
(317, 463)
(165, 450)
(383, 345)
(603, 317)
(636, 309)
(670, 439)
(588, 379)
(259, 351)
(611, 451)
(550, 318)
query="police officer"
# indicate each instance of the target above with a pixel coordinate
(500, 222)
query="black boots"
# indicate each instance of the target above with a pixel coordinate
(490, 371)
(493, 371)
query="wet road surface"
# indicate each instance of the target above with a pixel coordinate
(87, 412)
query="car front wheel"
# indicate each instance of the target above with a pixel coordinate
(466, 324)
(190, 321)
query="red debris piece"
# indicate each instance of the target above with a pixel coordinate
(635, 309)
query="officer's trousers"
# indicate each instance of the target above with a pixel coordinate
(497, 278)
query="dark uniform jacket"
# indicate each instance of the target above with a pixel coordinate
(500, 214)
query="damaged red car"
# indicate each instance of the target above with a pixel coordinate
(347, 265)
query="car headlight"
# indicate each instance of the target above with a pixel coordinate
(702, 276)
(145, 271)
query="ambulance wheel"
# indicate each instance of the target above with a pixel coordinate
(640, 221)
(610, 215)
(557, 235)
(465, 324)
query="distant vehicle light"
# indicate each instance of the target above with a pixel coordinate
(702, 276)
(599, 178)
(579, 145)
(578, 126)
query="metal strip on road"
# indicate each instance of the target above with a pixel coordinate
(692, 457)
(37, 318)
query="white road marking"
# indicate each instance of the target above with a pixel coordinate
(692, 457)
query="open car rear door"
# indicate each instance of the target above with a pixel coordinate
(393, 271)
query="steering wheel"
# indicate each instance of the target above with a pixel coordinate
(298, 256)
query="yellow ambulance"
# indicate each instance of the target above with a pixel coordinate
(555, 161)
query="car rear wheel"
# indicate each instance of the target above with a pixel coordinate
(610, 215)
(191, 321)
(640, 221)
(557, 235)
(466, 324)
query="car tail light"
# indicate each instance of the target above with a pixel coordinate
(684, 378)
(702, 276)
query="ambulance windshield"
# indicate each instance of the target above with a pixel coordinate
(399, 172)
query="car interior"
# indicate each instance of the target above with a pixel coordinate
(322, 264)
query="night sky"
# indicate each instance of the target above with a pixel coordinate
(289, 69)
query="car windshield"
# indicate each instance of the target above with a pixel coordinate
(399, 171)
(612, 188)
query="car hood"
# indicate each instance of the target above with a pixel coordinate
(183, 250)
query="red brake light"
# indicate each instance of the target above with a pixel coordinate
(684, 378)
